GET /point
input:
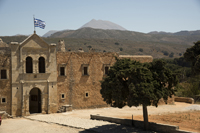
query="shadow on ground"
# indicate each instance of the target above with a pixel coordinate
(114, 128)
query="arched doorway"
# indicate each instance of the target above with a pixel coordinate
(35, 101)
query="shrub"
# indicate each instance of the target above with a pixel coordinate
(116, 43)
(171, 55)
(140, 49)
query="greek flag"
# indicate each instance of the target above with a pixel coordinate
(39, 23)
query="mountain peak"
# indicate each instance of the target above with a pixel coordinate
(102, 24)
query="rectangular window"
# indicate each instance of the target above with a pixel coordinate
(62, 71)
(62, 96)
(86, 94)
(85, 69)
(3, 74)
(106, 70)
(3, 100)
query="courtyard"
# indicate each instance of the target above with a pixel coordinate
(180, 114)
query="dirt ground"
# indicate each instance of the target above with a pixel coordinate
(189, 121)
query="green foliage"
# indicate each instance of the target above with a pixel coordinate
(89, 46)
(116, 43)
(140, 49)
(179, 66)
(193, 55)
(171, 55)
(165, 53)
(133, 83)
(189, 88)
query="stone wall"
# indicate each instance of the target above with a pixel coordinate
(5, 91)
(82, 91)
(184, 99)
(73, 85)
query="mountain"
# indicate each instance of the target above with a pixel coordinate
(49, 33)
(160, 37)
(161, 33)
(187, 33)
(101, 24)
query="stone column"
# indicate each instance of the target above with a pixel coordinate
(22, 99)
(43, 103)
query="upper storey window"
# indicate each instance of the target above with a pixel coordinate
(29, 65)
(41, 65)
(3, 74)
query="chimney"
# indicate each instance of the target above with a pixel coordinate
(61, 46)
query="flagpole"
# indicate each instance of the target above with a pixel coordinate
(34, 23)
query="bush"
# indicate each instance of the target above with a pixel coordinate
(116, 43)
(190, 88)
(140, 49)
(171, 55)
(165, 53)
(89, 46)
(121, 49)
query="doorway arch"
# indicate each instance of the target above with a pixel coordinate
(35, 101)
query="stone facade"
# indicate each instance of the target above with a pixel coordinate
(42, 78)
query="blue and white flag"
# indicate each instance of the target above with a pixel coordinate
(39, 23)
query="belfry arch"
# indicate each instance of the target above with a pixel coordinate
(41, 65)
(29, 65)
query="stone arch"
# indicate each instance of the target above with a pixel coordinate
(35, 101)
(41, 65)
(29, 65)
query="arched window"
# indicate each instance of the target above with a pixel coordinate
(41, 65)
(29, 65)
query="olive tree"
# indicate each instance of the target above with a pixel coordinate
(132, 83)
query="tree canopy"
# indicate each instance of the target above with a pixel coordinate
(193, 55)
(132, 83)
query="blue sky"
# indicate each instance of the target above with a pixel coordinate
(16, 16)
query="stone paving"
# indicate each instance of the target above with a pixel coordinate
(81, 123)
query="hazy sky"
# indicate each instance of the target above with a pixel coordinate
(16, 16)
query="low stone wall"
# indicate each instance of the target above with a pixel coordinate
(184, 99)
(4, 115)
(158, 127)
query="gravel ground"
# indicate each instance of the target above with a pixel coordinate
(193, 108)
(21, 125)
(87, 124)
(79, 120)
(135, 111)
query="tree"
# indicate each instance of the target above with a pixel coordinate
(165, 53)
(193, 55)
(133, 83)
(140, 49)
(116, 43)
(171, 55)
(121, 49)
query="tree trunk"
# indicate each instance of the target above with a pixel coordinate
(145, 116)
